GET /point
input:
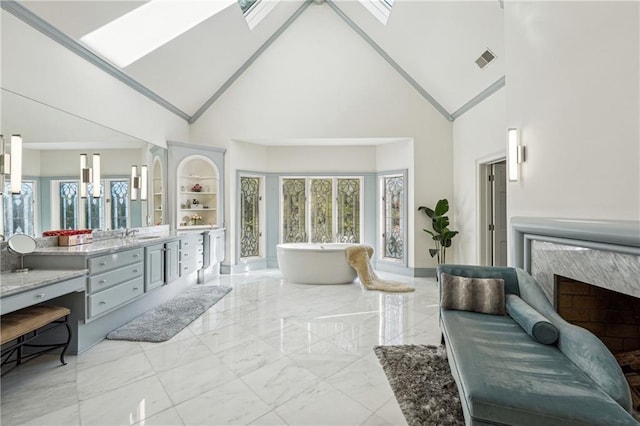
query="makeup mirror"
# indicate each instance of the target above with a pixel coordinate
(21, 244)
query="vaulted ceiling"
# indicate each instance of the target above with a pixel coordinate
(432, 44)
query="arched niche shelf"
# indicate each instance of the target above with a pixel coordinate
(196, 194)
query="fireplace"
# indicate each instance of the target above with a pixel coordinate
(612, 316)
(590, 271)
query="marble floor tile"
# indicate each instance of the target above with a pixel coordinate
(189, 380)
(279, 381)
(323, 404)
(230, 404)
(269, 353)
(93, 381)
(126, 405)
(371, 389)
(67, 416)
(183, 351)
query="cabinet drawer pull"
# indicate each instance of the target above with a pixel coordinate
(186, 254)
(39, 295)
(186, 267)
(102, 302)
(136, 270)
(136, 255)
(103, 263)
(103, 281)
(135, 288)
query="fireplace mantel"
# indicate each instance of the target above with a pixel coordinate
(605, 253)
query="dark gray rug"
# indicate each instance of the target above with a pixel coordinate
(422, 383)
(165, 321)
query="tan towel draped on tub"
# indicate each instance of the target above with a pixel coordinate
(358, 257)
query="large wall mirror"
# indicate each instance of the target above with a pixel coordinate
(53, 141)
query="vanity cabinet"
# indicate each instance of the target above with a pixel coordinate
(154, 270)
(213, 247)
(114, 279)
(191, 253)
(172, 261)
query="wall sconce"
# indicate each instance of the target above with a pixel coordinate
(90, 175)
(515, 154)
(139, 182)
(11, 163)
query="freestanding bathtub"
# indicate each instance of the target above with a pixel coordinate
(311, 263)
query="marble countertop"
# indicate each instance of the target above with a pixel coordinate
(113, 244)
(15, 282)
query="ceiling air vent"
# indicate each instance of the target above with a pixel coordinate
(484, 59)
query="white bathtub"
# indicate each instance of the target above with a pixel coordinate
(309, 263)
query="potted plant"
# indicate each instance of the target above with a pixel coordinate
(441, 234)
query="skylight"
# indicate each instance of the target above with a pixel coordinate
(254, 11)
(381, 9)
(141, 31)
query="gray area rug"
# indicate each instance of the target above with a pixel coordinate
(422, 383)
(165, 321)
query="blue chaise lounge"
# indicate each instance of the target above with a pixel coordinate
(506, 377)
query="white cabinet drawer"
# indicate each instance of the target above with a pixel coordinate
(114, 296)
(109, 279)
(115, 260)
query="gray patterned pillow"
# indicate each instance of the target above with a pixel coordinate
(484, 295)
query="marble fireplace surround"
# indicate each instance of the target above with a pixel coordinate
(604, 253)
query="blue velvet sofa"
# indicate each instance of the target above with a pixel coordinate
(505, 377)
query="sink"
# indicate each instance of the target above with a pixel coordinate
(147, 237)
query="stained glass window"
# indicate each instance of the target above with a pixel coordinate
(119, 203)
(249, 216)
(69, 205)
(294, 211)
(393, 211)
(18, 210)
(94, 208)
(321, 210)
(348, 209)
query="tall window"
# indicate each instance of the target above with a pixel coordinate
(294, 210)
(19, 210)
(393, 214)
(110, 211)
(69, 218)
(249, 216)
(119, 203)
(321, 210)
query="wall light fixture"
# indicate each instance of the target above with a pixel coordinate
(139, 182)
(90, 175)
(515, 154)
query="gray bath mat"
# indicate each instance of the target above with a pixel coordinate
(165, 321)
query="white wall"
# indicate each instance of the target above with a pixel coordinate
(113, 162)
(573, 91)
(479, 136)
(36, 67)
(321, 80)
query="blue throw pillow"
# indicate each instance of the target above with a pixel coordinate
(531, 321)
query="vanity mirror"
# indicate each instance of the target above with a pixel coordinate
(51, 196)
(21, 244)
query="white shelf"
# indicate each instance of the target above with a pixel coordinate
(199, 177)
(197, 193)
(198, 210)
(208, 226)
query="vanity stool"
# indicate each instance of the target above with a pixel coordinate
(27, 324)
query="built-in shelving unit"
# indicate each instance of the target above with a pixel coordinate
(197, 193)
(157, 194)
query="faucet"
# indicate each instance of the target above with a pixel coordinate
(130, 233)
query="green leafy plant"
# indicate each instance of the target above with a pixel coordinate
(441, 233)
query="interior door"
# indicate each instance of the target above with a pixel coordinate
(498, 226)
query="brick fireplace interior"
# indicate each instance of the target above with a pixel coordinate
(613, 317)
